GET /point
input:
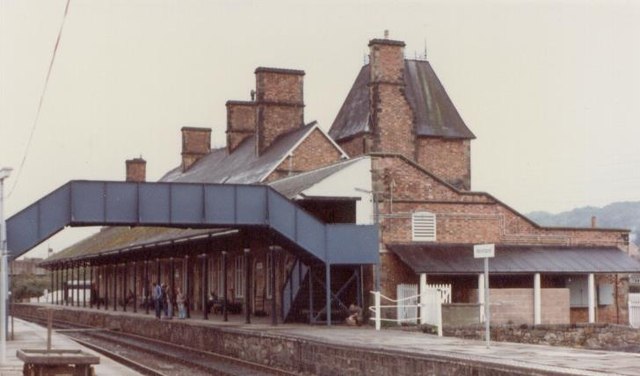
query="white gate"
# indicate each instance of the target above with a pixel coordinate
(634, 310)
(407, 308)
(445, 292)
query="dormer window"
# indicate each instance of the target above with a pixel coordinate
(423, 227)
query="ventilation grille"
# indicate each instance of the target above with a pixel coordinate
(423, 227)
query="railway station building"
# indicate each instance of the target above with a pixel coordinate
(397, 159)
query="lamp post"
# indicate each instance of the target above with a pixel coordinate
(4, 275)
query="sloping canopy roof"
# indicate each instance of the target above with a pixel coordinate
(434, 112)
(458, 259)
(294, 185)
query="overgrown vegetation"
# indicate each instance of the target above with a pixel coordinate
(27, 286)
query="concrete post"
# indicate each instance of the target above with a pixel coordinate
(423, 298)
(376, 295)
(592, 298)
(481, 295)
(537, 300)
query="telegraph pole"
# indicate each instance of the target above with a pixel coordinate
(4, 273)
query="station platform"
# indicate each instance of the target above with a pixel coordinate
(32, 336)
(527, 359)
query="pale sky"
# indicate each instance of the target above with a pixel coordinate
(551, 89)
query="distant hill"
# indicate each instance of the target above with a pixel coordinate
(616, 215)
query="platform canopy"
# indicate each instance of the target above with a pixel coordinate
(458, 259)
(190, 205)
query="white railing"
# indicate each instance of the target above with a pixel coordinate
(634, 310)
(430, 305)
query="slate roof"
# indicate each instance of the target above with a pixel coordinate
(458, 259)
(434, 113)
(242, 166)
(294, 185)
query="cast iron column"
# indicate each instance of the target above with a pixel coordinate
(204, 287)
(135, 287)
(91, 288)
(224, 286)
(146, 287)
(247, 287)
(115, 287)
(124, 287)
(272, 283)
(187, 277)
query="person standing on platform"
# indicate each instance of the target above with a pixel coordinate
(180, 299)
(156, 295)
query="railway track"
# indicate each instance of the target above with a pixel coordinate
(158, 358)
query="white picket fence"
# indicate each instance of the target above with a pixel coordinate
(634, 310)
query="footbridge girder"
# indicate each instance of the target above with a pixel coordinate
(190, 205)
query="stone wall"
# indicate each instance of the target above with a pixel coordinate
(291, 353)
(590, 336)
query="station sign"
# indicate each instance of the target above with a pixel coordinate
(484, 250)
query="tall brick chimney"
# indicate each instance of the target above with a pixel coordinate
(391, 115)
(241, 122)
(196, 143)
(136, 170)
(279, 103)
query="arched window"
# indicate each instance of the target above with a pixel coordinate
(423, 227)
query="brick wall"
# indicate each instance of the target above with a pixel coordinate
(515, 306)
(392, 120)
(136, 170)
(196, 143)
(449, 159)
(241, 122)
(616, 313)
(280, 103)
(462, 217)
(354, 146)
(391, 115)
(314, 152)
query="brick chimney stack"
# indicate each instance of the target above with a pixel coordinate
(241, 122)
(279, 103)
(386, 58)
(196, 143)
(136, 170)
(391, 119)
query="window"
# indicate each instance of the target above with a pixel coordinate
(268, 279)
(239, 281)
(423, 227)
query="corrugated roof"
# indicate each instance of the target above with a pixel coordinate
(434, 112)
(294, 185)
(111, 239)
(458, 259)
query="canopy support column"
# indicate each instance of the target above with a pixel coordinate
(225, 316)
(328, 292)
(592, 298)
(537, 303)
(247, 287)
